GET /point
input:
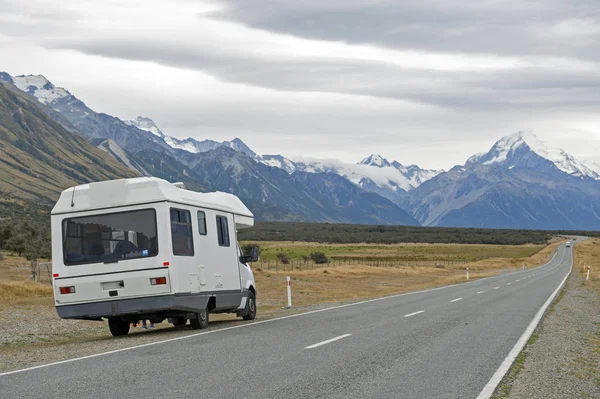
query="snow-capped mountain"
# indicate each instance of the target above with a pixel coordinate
(75, 116)
(190, 144)
(375, 168)
(519, 183)
(509, 150)
(375, 160)
(281, 162)
(40, 88)
(146, 124)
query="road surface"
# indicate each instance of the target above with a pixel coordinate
(441, 343)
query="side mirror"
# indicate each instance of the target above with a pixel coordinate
(252, 257)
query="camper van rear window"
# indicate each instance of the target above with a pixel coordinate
(181, 232)
(110, 237)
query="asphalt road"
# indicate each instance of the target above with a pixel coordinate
(442, 343)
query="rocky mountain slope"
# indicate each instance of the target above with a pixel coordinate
(39, 158)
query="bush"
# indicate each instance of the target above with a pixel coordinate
(319, 258)
(1, 256)
(283, 258)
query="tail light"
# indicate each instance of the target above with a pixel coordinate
(67, 290)
(158, 281)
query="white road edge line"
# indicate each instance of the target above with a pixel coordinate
(496, 288)
(481, 292)
(259, 322)
(491, 386)
(415, 313)
(328, 341)
(457, 299)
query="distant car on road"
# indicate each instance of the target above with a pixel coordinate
(568, 244)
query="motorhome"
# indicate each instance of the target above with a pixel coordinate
(146, 249)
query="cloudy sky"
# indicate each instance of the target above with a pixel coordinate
(426, 82)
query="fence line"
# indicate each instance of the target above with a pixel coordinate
(41, 270)
(277, 265)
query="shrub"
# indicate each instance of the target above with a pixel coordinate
(283, 258)
(319, 258)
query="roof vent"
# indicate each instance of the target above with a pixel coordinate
(180, 185)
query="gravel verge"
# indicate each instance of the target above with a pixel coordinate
(562, 358)
(37, 336)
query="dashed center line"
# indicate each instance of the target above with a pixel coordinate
(454, 300)
(507, 283)
(328, 341)
(412, 314)
(496, 288)
(516, 281)
(481, 292)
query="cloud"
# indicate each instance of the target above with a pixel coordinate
(429, 82)
(542, 27)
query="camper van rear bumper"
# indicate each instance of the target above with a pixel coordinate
(149, 305)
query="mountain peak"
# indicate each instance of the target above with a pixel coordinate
(147, 124)
(511, 149)
(40, 87)
(375, 160)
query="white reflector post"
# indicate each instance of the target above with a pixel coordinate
(289, 291)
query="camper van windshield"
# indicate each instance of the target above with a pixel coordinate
(110, 237)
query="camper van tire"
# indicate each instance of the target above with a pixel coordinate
(118, 326)
(200, 321)
(250, 307)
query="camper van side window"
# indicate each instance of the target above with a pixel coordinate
(181, 232)
(201, 223)
(222, 231)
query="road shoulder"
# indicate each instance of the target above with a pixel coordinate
(562, 358)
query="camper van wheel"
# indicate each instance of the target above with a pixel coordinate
(179, 321)
(250, 307)
(118, 326)
(201, 320)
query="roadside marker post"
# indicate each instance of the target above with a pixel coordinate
(588, 273)
(467, 274)
(289, 291)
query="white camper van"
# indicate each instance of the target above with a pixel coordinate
(143, 248)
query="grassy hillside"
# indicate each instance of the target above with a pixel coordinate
(39, 158)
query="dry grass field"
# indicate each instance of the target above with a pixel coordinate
(396, 253)
(588, 253)
(355, 280)
(30, 322)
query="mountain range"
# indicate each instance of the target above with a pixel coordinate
(518, 183)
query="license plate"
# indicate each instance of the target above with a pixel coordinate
(112, 285)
